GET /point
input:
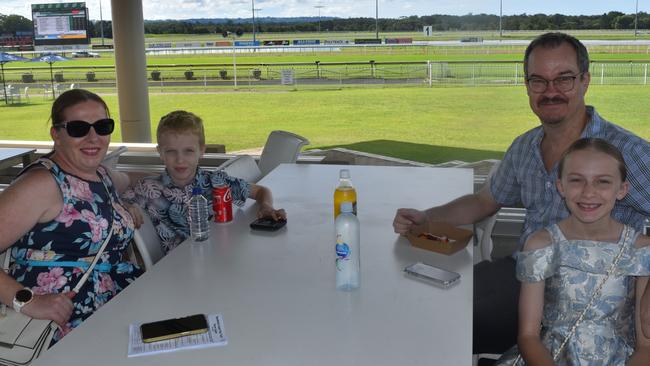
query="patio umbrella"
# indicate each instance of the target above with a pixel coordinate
(50, 58)
(4, 58)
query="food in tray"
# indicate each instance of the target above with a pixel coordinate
(440, 238)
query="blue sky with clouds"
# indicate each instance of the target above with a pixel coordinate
(183, 9)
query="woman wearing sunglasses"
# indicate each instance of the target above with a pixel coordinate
(56, 215)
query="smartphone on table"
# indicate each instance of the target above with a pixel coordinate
(437, 276)
(268, 224)
(173, 328)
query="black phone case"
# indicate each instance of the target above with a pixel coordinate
(268, 224)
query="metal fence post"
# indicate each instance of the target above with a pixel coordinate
(645, 74)
(430, 73)
(517, 74)
(473, 80)
(602, 74)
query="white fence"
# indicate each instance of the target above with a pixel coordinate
(322, 75)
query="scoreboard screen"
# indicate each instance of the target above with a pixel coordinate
(60, 24)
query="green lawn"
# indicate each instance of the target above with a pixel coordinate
(428, 125)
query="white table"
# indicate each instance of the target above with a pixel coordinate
(276, 290)
(12, 156)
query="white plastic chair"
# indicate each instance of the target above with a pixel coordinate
(13, 94)
(111, 159)
(281, 147)
(244, 167)
(147, 242)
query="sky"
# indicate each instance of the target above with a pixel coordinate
(184, 9)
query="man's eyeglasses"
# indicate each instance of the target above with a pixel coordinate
(562, 83)
(102, 127)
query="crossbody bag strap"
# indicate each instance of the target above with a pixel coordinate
(83, 279)
(595, 294)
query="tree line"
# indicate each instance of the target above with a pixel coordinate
(469, 22)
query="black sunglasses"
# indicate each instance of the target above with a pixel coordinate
(102, 127)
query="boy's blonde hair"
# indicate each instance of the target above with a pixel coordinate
(181, 122)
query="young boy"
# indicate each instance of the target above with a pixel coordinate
(181, 143)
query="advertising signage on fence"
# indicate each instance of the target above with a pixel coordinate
(223, 44)
(277, 42)
(399, 40)
(336, 41)
(286, 76)
(247, 43)
(367, 41)
(60, 24)
(305, 42)
(160, 45)
(188, 44)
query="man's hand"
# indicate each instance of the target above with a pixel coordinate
(136, 214)
(56, 307)
(406, 218)
(268, 211)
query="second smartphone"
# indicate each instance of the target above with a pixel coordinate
(173, 328)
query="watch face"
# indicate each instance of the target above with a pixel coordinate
(23, 295)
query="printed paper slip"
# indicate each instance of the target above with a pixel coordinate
(214, 337)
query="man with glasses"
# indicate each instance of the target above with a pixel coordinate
(556, 67)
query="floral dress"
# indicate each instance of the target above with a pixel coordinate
(166, 204)
(573, 269)
(52, 256)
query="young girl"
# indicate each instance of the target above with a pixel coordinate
(565, 270)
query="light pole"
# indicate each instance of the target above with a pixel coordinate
(101, 21)
(253, 10)
(500, 17)
(319, 7)
(257, 11)
(376, 19)
(227, 34)
(636, 18)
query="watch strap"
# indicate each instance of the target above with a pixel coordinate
(17, 304)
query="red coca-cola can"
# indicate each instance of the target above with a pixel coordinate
(222, 204)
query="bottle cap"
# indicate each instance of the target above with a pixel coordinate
(197, 191)
(346, 207)
(344, 174)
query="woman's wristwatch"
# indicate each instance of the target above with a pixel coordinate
(22, 298)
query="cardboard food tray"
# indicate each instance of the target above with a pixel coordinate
(461, 237)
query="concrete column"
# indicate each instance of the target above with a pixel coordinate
(131, 70)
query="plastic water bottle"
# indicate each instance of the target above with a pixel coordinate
(198, 220)
(347, 249)
(345, 192)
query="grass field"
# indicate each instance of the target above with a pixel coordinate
(423, 124)
(427, 125)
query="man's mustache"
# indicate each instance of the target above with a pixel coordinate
(554, 100)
